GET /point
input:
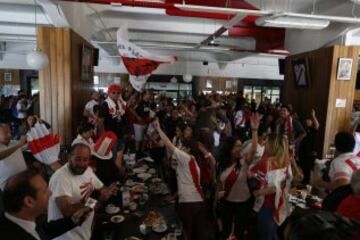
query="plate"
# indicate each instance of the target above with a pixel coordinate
(144, 176)
(138, 189)
(139, 170)
(132, 238)
(117, 219)
(156, 180)
(111, 209)
(159, 227)
(152, 171)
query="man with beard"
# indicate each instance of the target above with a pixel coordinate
(71, 186)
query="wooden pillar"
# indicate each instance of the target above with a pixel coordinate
(62, 93)
(323, 91)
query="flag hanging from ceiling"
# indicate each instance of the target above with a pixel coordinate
(43, 145)
(138, 62)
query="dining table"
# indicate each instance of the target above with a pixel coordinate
(135, 206)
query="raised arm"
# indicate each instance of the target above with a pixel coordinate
(254, 122)
(10, 150)
(314, 119)
(169, 145)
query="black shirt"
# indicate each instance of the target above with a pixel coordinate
(111, 123)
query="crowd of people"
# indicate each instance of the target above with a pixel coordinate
(229, 165)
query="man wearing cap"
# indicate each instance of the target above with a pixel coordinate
(71, 187)
(112, 111)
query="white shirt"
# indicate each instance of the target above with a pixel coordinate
(22, 106)
(78, 188)
(188, 177)
(28, 226)
(90, 106)
(357, 143)
(239, 119)
(340, 167)
(11, 165)
(246, 149)
(239, 191)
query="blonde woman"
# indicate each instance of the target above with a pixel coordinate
(274, 176)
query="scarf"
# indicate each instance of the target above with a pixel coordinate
(117, 109)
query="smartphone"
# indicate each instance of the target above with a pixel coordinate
(90, 203)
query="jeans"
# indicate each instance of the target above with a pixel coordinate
(266, 225)
(237, 213)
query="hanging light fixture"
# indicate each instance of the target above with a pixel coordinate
(36, 59)
(187, 77)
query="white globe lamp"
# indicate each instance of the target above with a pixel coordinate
(37, 59)
(187, 78)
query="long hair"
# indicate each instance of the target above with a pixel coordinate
(225, 156)
(277, 149)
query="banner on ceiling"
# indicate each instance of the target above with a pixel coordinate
(138, 62)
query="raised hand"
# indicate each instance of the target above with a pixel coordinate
(255, 120)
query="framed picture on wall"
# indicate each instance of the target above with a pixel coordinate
(7, 76)
(301, 72)
(344, 69)
(86, 63)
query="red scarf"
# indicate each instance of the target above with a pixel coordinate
(230, 181)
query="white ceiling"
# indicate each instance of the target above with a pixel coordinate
(151, 29)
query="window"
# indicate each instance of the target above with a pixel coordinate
(259, 93)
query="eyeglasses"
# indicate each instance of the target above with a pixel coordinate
(115, 92)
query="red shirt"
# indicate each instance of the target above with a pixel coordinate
(350, 207)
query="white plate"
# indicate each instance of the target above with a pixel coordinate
(139, 170)
(156, 180)
(117, 219)
(159, 228)
(112, 209)
(144, 176)
(132, 238)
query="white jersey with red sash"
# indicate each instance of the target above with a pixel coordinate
(343, 166)
(280, 179)
(153, 137)
(188, 177)
(239, 119)
(234, 180)
(116, 111)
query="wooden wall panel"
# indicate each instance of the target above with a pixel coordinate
(340, 118)
(322, 92)
(81, 90)
(53, 41)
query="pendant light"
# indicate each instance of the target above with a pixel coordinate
(36, 59)
(187, 77)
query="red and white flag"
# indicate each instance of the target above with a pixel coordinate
(43, 145)
(138, 62)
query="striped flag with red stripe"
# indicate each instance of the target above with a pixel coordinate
(43, 145)
(138, 62)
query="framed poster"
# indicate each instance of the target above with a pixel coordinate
(86, 63)
(344, 69)
(301, 72)
(7, 76)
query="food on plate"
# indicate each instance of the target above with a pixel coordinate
(152, 218)
(159, 227)
(138, 188)
(117, 219)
